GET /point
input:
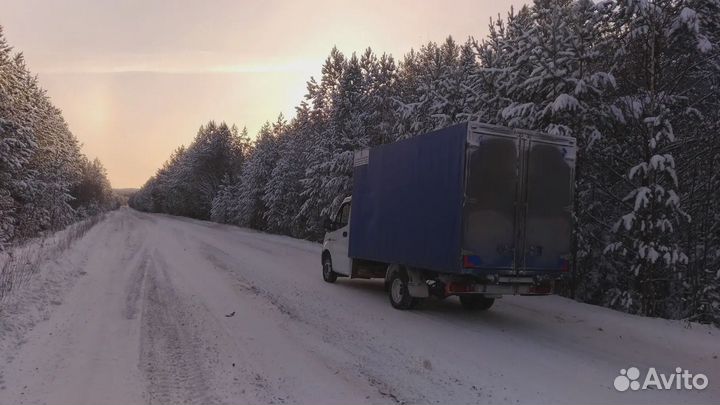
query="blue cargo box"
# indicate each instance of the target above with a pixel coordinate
(408, 201)
(470, 198)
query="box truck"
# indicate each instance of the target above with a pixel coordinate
(473, 210)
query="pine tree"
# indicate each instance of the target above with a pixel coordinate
(658, 111)
(438, 87)
(40, 159)
(321, 96)
(283, 191)
(380, 78)
(255, 175)
(493, 61)
(224, 206)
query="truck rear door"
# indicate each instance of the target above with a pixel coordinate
(491, 190)
(548, 188)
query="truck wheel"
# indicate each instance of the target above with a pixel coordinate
(398, 291)
(476, 302)
(328, 274)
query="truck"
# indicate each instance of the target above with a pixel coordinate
(473, 210)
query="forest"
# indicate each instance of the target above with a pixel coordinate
(46, 182)
(635, 82)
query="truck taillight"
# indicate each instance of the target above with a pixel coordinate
(564, 265)
(455, 287)
(541, 289)
(471, 261)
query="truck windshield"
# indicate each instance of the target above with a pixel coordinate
(343, 215)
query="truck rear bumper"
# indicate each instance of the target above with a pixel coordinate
(503, 286)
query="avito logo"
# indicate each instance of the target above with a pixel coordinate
(680, 380)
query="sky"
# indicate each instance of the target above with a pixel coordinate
(136, 79)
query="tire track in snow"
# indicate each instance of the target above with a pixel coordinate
(245, 354)
(134, 289)
(169, 349)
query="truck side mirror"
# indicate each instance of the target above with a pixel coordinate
(327, 224)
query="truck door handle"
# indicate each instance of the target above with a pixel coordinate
(345, 234)
(505, 250)
(535, 250)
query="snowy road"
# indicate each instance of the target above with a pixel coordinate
(138, 311)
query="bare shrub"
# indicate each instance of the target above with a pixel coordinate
(19, 263)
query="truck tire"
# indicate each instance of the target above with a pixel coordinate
(398, 291)
(476, 302)
(328, 274)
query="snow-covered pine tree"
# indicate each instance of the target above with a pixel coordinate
(321, 95)
(255, 175)
(380, 77)
(557, 75)
(354, 116)
(222, 205)
(93, 194)
(493, 60)
(225, 204)
(190, 179)
(662, 48)
(503, 64)
(40, 159)
(438, 87)
(348, 132)
(15, 152)
(696, 50)
(215, 153)
(16, 147)
(169, 186)
(283, 191)
(57, 165)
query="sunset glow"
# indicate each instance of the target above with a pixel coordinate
(136, 79)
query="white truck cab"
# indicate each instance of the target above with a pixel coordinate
(335, 258)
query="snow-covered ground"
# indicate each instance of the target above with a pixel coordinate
(138, 311)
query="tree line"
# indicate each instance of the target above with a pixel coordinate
(636, 82)
(46, 183)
